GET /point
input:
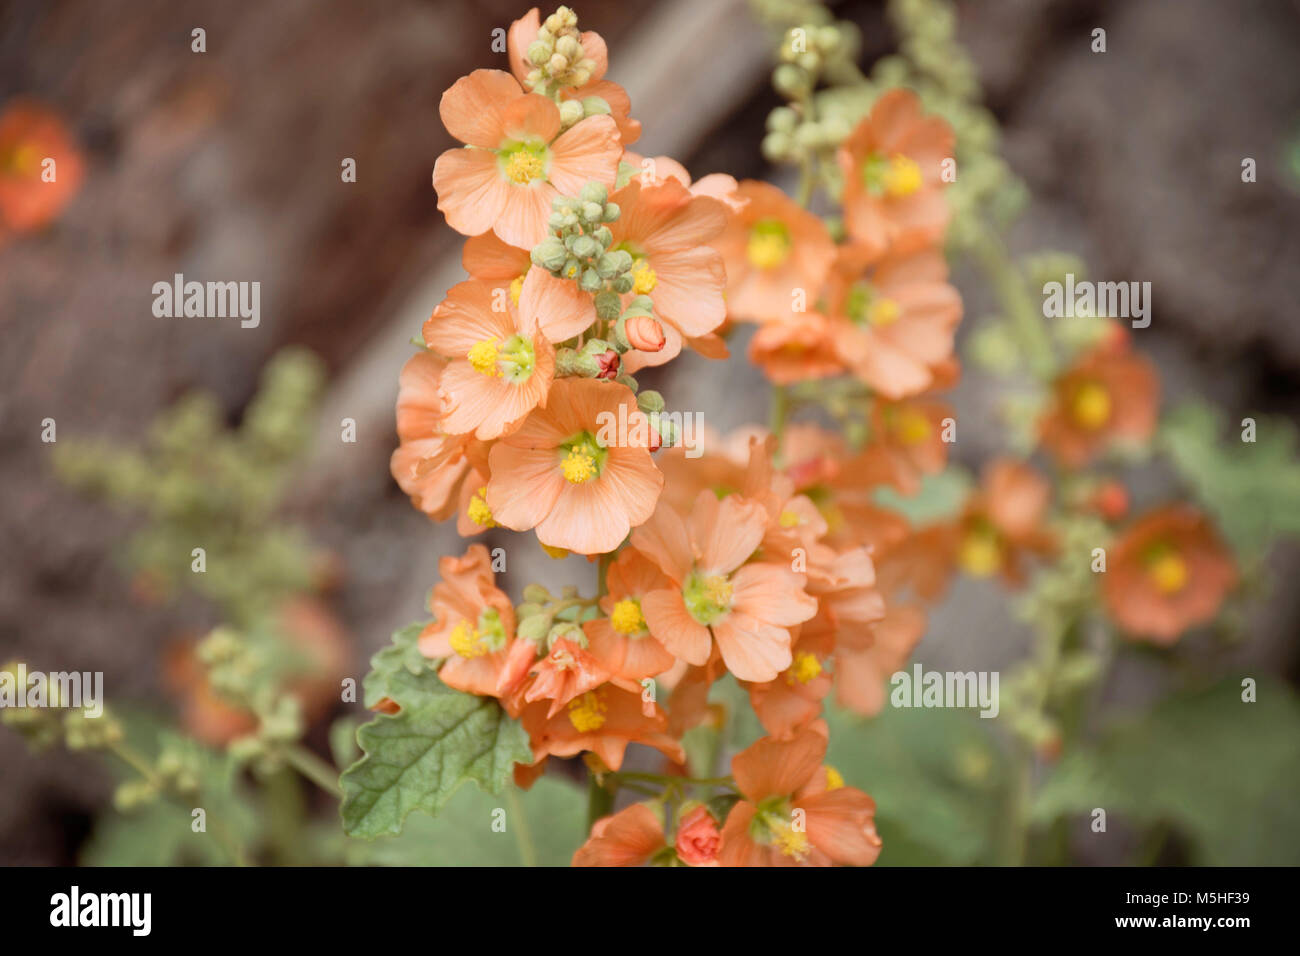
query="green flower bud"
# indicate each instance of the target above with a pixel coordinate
(623, 284)
(789, 80)
(603, 236)
(590, 281)
(608, 304)
(650, 401)
(571, 111)
(595, 106)
(534, 628)
(536, 593)
(549, 254)
(611, 212)
(594, 192)
(592, 211)
(782, 120)
(585, 247)
(539, 52)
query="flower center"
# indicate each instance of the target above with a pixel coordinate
(788, 519)
(587, 713)
(626, 618)
(773, 825)
(897, 177)
(583, 459)
(478, 510)
(1090, 406)
(863, 304)
(769, 244)
(912, 427)
(644, 279)
(805, 667)
(524, 164)
(487, 637)
(483, 356)
(512, 359)
(516, 288)
(980, 554)
(708, 597)
(1168, 573)
(833, 779)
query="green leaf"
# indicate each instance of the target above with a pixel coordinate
(417, 758)
(400, 657)
(934, 776)
(1222, 771)
(1250, 487)
(940, 497)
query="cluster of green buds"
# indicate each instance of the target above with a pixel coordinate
(81, 731)
(280, 724)
(807, 128)
(175, 773)
(579, 248)
(810, 53)
(557, 56)
(545, 618)
(237, 670)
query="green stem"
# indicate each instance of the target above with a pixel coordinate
(1025, 318)
(780, 410)
(600, 799)
(519, 822)
(313, 768)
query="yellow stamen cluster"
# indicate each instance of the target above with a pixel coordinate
(791, 842)
(902, 177)
(465, 640)
(524, 166)
(788, 519)
(1091, 406)
(718, 589)
(980, 555)
(805, 667)
(626, 618)
(483, 356)
(833, 779)
(478, 510)
(516, 289)
(912, 427)
(587, 713)
(1168, 573)
(578, 467)
(644, 279)
(883, 312)
(767, 248)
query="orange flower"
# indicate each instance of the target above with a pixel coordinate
(501, 360)
(893, 315)
(773, 248)
(569, 474)
(566, 671)
(524, 31)
(719, 186)
(863, 668)
(474, 628)
(796, 811)
(1004, 521)
(603, 721)
(790, 703)
(747, 608)
(428, 464)
(621, 639)
(30, 134)
(627, 838)
(1167, 573)
(488, 257)
(635, 835)
(892, 168)
(518, 160)
(795, 349)
(906, 444)
(1112, 393)
(667, 232)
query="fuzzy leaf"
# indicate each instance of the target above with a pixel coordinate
(417, 758)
